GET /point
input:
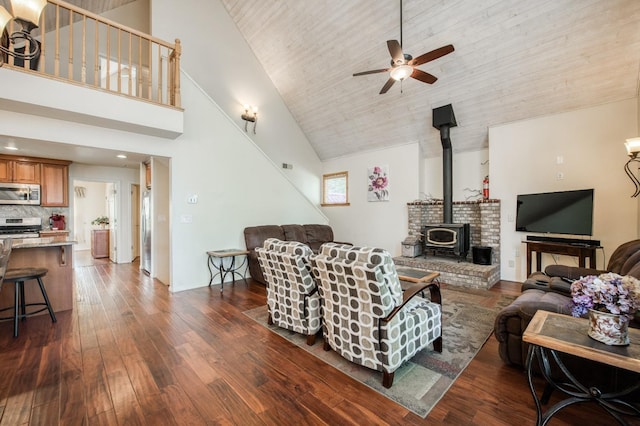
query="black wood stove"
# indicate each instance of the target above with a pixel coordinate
(447, 238)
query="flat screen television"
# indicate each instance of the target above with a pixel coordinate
(564, 212)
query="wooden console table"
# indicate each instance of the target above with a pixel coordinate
(582, 252)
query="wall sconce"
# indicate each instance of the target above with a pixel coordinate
(27, 14)
(250, 115)
(633, 149)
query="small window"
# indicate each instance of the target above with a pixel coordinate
(335, 189)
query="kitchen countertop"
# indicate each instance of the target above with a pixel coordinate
(55, 254)
(41, 242)
(45, 232)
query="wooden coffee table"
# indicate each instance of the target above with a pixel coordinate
(411, 276)
(414, 275)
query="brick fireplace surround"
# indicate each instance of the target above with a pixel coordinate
(484, 218)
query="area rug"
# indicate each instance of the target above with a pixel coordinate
(468, 316)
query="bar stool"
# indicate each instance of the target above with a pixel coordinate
(19, 276)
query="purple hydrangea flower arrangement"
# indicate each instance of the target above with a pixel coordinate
(608, 292)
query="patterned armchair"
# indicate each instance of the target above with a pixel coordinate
(292, 294)
(367, 317)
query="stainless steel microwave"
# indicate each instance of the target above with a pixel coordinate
(19, 193)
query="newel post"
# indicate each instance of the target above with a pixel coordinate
(175, 69)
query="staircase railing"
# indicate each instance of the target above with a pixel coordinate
(84, 48)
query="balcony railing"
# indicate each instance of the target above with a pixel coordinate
(81, 47)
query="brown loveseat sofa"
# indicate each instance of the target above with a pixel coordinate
(551, 291)
(313, 235)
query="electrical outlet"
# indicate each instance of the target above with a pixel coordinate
(186, 218)
(512, 264)
(559, 176)
(193, 199)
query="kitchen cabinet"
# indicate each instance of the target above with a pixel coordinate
(26, 172)
(52, 176)
(57, 257)
(19, 170)
(99, 243)
(5, 170)
(54, 185)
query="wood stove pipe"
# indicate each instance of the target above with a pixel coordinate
(444, 120)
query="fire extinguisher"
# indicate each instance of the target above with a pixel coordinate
(485, 188)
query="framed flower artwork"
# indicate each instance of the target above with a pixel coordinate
(378, 183)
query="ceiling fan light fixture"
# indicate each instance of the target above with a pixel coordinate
(401, 72)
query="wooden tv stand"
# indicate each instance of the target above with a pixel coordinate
(579, 251)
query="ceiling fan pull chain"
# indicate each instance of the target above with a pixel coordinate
(400, 23)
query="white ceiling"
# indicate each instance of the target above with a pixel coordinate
(75, 153)
(513, 59)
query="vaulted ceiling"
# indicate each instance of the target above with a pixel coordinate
(513, 60)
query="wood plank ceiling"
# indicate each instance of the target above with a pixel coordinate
(514, 59)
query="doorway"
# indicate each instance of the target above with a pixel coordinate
(93, 200)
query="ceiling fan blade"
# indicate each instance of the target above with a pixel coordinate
(430, 56)
(371, 72)
(387, 86)
(425, 77)
(396, 51)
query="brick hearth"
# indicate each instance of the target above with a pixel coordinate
(464, 274)
(484, 218)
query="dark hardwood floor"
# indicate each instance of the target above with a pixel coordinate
(131, 352)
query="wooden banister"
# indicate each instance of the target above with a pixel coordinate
(124, 60)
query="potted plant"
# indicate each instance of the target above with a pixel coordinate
(611, 301)
(100, 220)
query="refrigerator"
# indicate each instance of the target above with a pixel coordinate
(145, 230)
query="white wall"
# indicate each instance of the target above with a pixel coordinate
(379, 224)
(219, 59)
(469, 168)
(237, 184)
(160, 234)
(524, 159)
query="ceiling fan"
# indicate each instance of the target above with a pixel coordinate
(404, 65)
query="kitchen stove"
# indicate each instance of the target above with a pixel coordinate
(23, 227)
